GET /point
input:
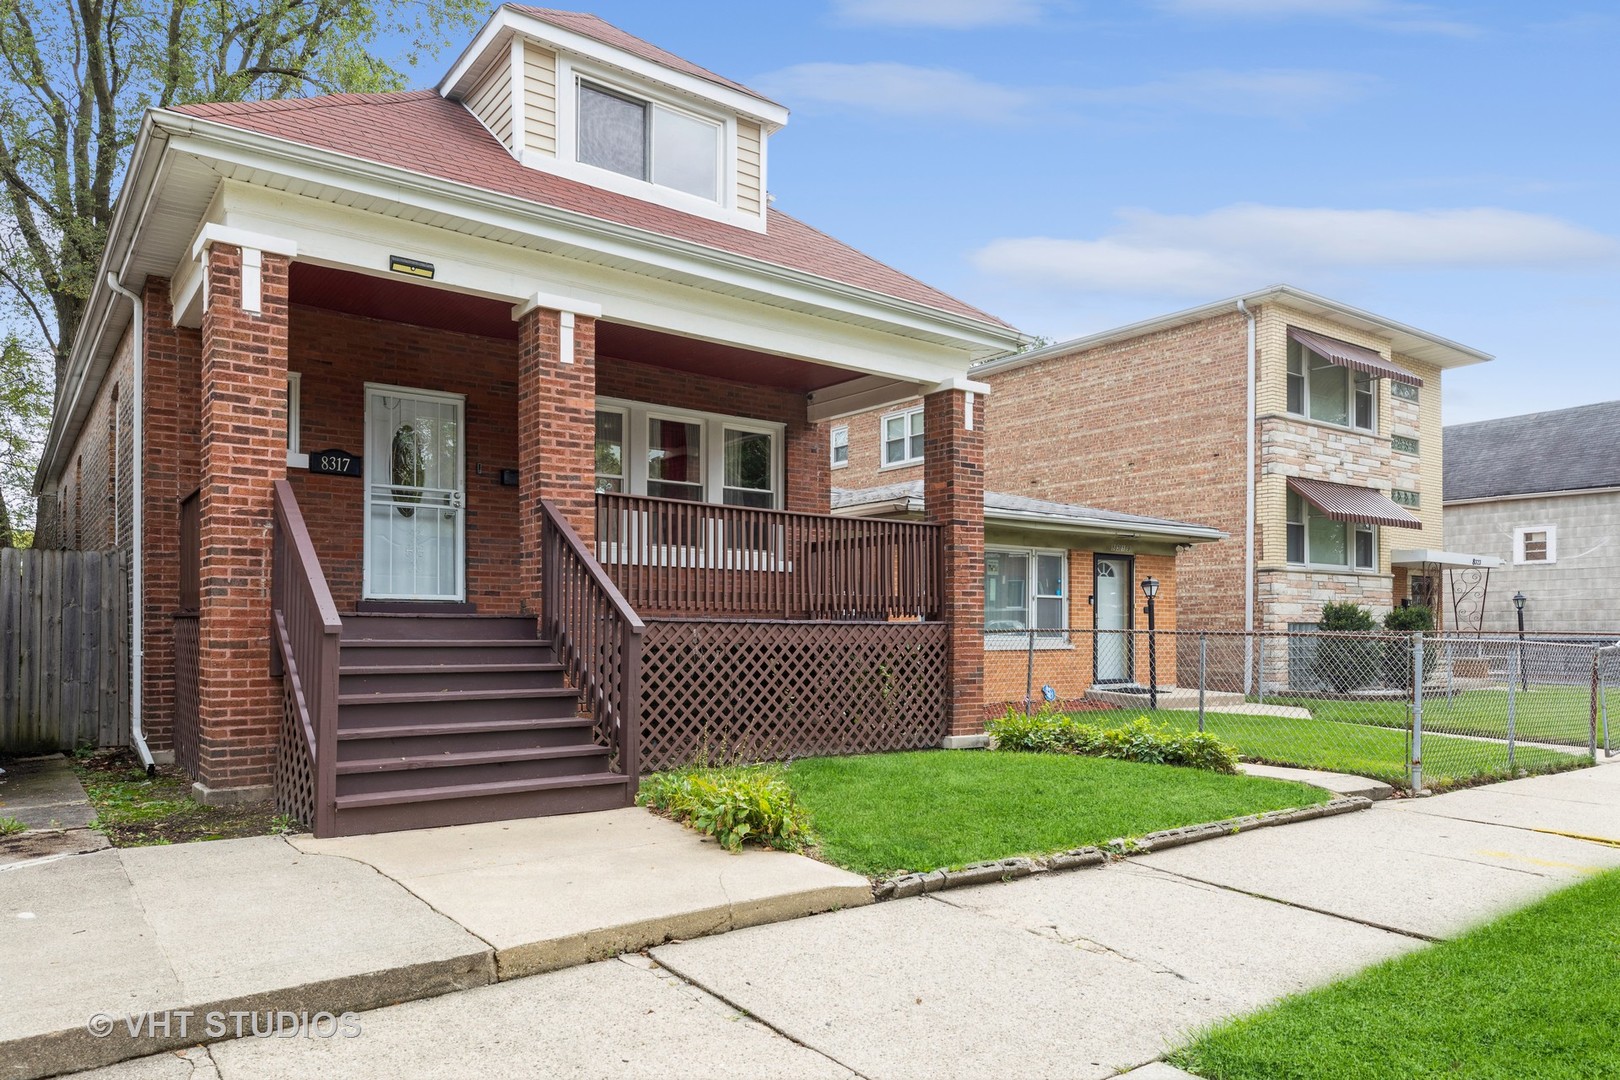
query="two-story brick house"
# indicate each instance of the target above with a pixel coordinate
(465, 442)
(1306, 430)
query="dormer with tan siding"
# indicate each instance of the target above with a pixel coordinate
(569, 94)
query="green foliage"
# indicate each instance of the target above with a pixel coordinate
(1346, 618)
(1054, 732)
(10, 826)
(1407, 619)
(25, 409)
(733, 804)
(81, 76)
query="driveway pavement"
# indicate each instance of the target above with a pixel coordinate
(1071, 975)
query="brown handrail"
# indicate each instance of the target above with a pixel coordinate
(308, 638)
(597, 636)
(686, 558)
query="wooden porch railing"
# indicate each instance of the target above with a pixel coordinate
(307, 631)
(597, 636)
(685, 558)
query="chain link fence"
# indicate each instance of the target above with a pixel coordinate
(1415, 710)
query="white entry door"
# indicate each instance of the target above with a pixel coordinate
(1111, 614)
(415, 495)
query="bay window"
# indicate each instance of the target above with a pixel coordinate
(1314, 539)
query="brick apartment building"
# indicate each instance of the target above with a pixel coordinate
(1306, 430)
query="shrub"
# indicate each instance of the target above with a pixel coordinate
(1052, 732)
(731, 804)
(1407, 619)
(1398, 654)
(1346, 664)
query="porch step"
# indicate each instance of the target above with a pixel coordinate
(430, 807)
(456, 769)
(450, 760)
(412, 731)
(367, 680)
(446, 669)
(443, 627)
(445, 652)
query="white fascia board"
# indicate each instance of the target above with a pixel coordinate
(91, 352)
(211, 234)
(342, 237)
(1421, 556)
(506, 21)
(859, 396)
(962, 382)
(657, 251)
(554, 302)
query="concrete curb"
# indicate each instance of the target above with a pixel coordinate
(984, 873)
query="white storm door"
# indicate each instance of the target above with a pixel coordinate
(1112, 615)
(415, 540)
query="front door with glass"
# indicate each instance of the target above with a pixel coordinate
(415, 531)
(1111, 615)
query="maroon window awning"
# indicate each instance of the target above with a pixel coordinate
(1345, 502)
(1353, 357)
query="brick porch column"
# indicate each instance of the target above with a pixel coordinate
(953, 493)
(556, 425)
(244, 450)
(160, 464)
(809, 469)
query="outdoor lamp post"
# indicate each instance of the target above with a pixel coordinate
(1150, 589)
(1518, 604)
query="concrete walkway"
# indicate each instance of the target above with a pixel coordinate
(1084, 974)
(353, 924)
(43, 793)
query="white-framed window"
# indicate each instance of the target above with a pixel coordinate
(1025, 589)
(903, 438)
(1314, 539)
(295, 393)
(1535, 544)
(649, 140)
(1328, 392)
(693, 456)
(840, 446)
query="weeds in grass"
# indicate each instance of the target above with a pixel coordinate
(10, 826)
(1052, 731)
(733, 804)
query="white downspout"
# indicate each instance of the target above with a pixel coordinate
(1248, 503)
(137, 523)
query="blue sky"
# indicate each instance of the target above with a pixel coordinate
(1074, 165)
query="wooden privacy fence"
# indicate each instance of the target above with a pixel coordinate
(64, 649)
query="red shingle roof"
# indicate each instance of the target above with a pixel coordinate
(421, 132)
(590, 26)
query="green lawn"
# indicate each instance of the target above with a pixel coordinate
(881, 814)
(1533, 996)
(1550, 714)
(1364, 748)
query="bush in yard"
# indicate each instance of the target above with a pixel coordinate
(1345, 663)
(1053, 732)
(731, 804)
(1398, 654)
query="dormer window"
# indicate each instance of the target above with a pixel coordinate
(649, 141)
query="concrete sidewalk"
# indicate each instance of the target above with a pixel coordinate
(353, 924)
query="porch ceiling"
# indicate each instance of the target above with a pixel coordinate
(418, 304)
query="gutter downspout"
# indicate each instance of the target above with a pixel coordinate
(138, 523)
(1248, 505)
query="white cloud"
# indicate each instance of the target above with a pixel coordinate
(1284, 93)
(945, 14)
(900, 89)
(1242, 246)
(1389, 15)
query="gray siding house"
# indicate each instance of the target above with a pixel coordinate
(1542, 492)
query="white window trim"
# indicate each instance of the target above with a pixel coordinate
(883, 440)
(637, 414)
(570, 70)
(1019, 640)
(296, 459)
(1518, 545)
(1351, 528)
(1305, 401)
(833, 444)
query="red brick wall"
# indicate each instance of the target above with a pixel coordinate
(954, 498)
(1151, 426)
(244, 418)
(336, 355)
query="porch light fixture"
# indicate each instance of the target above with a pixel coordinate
(1150, 589)
(399, 264)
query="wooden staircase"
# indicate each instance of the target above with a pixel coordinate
(450, 719)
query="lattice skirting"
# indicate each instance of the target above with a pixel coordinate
(753, 690)
(186, 723)
(295, 771)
